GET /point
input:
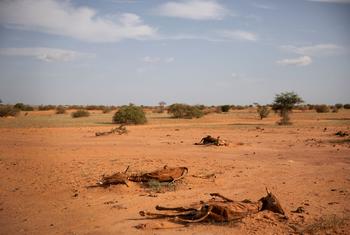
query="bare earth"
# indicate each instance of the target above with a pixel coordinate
(47, 160)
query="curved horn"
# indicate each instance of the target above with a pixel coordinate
(184, 173)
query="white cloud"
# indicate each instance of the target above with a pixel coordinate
(331, 1)
(313, 50)
(151, 60)
(169, 60)
(193, 9)
(45, 54)
(234, 75)
(62, 18)
(239, 35)
(157, 60)
(301, 61)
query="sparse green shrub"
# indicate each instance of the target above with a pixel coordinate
(334, 109)
(106, 109)
(301, 107)
(310, 106)
(225, 108)
(322, 108)
(200, 106)
(60, 109)
(76, 107)
(346, 106)
(263, 111)
(158, 187)
(80, 113)
(8, 110)
(284, 104)
(23, 107)
(130, 114)
(19, 106)
(46, 107)
(239, 107)
(185, 111)
(338, 106)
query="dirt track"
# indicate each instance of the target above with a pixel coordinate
(44, 172)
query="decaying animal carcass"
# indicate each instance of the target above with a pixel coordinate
(223, 210)
(209, 140)
(116, 178)
(118, 130)
(167, 174)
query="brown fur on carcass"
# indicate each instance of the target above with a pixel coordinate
(225, 210)
(167, 174)
(119, 130)
(209, 140)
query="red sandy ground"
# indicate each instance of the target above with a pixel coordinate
(44, 173)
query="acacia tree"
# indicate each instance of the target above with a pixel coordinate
(284, 103)
(161, 106)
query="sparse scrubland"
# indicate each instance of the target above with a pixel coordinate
(185, 111)
(50, 161)
(80, 113)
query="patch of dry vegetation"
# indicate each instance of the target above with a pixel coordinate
(328, 223)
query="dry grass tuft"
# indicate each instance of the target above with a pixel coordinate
(324, 223)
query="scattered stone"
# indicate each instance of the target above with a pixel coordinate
(300, 209)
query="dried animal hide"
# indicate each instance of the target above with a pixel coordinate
(119, 130)
(117, 178)
(225, 210)
(209, 140)
(167, 174)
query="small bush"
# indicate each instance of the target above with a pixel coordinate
(322, 108)
(46, 107)
(185, 111)
(60, 110)
(106, 110)
(76, 107)
(130, 114)
(346, 106)
(159, 187)
(310, 106)
(225, 108)
(263, 111)
(338, 106)
(334, 109)
(80, 113)
(8, 110)
(19, 106)
(23, 107)
(200, 106)
(239, 107)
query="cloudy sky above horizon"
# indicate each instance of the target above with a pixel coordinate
(189, 51)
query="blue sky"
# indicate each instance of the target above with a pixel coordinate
(193, 51)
